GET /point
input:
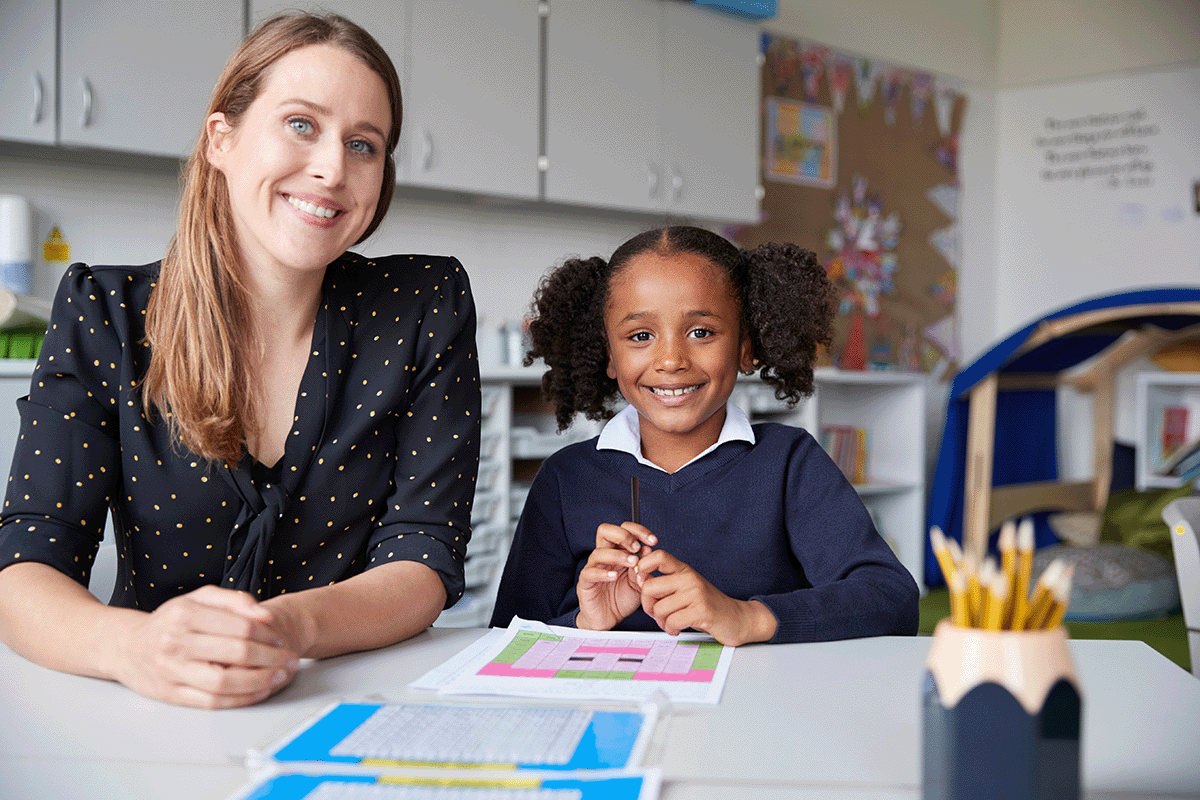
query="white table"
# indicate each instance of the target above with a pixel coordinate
(832, 720)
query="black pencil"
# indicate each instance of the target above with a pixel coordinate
(633, 490)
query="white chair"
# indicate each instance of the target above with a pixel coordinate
(1183, 518)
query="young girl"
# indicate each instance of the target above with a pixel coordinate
(748, 533)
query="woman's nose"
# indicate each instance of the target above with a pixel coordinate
(329, 163)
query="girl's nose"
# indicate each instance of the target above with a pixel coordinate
(671, 355)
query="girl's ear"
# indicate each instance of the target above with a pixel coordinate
(219, 133)
(611, 371)
(746, 362)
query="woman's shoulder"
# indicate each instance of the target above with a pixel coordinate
(395, 272)
(112, 291)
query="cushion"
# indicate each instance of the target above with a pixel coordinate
(1113, 581)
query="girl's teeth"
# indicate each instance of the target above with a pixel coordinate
(311, 208)
(675, 392)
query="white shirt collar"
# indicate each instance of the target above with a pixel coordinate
(624, 433)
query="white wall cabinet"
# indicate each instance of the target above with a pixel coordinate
(136, 76)
(472, 97)
(518, 432)
(471, 88)
(634, 126)
(28, 74)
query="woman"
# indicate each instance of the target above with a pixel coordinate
(286, 432)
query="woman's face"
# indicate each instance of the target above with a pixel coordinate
(304, 164)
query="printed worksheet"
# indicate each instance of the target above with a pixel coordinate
(595, 786)
(448, 735)
(531, 659)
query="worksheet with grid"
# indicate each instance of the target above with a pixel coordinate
(447, 735)
(531, 659)
(607, 785)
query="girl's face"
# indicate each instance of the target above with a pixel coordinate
(675, 346)
(304, 165)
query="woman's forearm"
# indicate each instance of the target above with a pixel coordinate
(50, 619)
(379, 607)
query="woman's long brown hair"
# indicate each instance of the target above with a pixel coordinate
(203, 353)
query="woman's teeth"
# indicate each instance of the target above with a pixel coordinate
(312, 208)
(674, 392)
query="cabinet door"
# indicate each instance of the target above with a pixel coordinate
(710, 114)
(603, 70)
(136, 76)
(28, 76)
(471, 105)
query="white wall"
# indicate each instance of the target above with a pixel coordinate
(121, 210)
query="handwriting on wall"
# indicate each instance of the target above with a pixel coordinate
(1110, 150)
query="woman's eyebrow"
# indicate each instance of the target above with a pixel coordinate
(320, 109)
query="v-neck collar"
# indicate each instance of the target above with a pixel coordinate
(266, 501)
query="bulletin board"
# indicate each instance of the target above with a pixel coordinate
(860, 165)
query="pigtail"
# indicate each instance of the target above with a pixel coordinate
(566, 329)
(789, 306)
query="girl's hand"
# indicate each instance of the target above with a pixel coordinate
(679, 597)
(210, 648)
(607, 588)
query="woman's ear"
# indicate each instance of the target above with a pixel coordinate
(219, 134)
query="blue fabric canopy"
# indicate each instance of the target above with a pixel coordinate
(1025, 443)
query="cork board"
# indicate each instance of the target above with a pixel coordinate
(859, 165)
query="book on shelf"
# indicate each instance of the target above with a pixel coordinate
(1183, 459)
(847, 446)
(1174, 429)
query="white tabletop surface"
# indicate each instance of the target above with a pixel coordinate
(837, 719)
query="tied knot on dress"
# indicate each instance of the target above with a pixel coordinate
(250, 539)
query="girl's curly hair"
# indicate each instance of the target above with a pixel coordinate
(785, 297)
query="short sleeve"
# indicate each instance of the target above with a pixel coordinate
(428, 515)
(66, 462)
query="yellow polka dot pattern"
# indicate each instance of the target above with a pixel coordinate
(380, 465)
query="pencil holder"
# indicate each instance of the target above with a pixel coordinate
(1002, 715)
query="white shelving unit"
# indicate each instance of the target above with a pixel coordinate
(1155, 391)
(519, 431)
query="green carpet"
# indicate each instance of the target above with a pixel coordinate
(1167, 635)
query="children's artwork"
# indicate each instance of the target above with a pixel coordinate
(801, 145)
(448, 736)
(605, 785)
(536, 660)
(860, 165)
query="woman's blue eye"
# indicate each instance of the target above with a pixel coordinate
(362, 146)
(300, 125)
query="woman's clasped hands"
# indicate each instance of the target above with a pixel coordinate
(210, 648)
(625, 572)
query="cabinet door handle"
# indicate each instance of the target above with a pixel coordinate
(39, 97)
(652, 179)
(676, 185)
(85, 119)
(426, 151)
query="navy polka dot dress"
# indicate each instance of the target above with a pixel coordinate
(380, 464)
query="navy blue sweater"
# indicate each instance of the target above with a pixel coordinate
(775, 521)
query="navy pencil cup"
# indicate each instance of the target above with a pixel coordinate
(1002, 716)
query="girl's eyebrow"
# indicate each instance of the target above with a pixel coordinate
(637, 316)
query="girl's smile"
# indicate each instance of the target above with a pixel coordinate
(675, 346)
